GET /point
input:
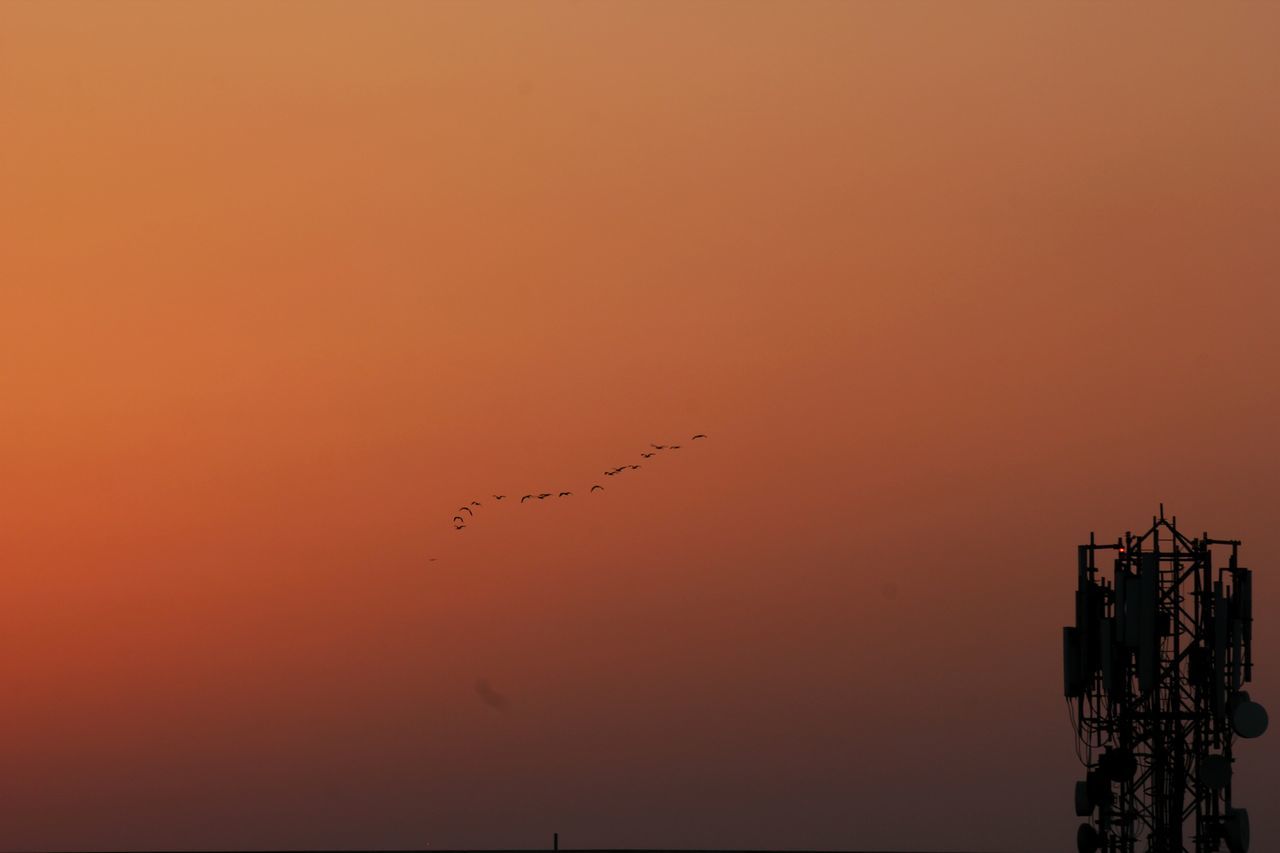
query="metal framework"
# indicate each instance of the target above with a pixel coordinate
(1153, 670)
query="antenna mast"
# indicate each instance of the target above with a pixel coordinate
(1153, 670)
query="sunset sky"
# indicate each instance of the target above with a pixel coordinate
(282, 285)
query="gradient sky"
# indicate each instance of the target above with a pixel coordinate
(282, 285)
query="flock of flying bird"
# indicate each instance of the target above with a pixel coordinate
(460, 523)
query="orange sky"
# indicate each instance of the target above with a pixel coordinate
(282, 285)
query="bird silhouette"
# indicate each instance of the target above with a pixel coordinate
(460, 523)
(491, 697)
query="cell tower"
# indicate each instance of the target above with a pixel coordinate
(1153, 669)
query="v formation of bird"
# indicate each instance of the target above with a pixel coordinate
(461, 523)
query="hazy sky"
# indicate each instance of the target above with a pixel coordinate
(282, 285)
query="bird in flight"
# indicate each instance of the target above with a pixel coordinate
(491, 697)
(460, 523)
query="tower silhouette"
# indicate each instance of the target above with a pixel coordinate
(1153, 670)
